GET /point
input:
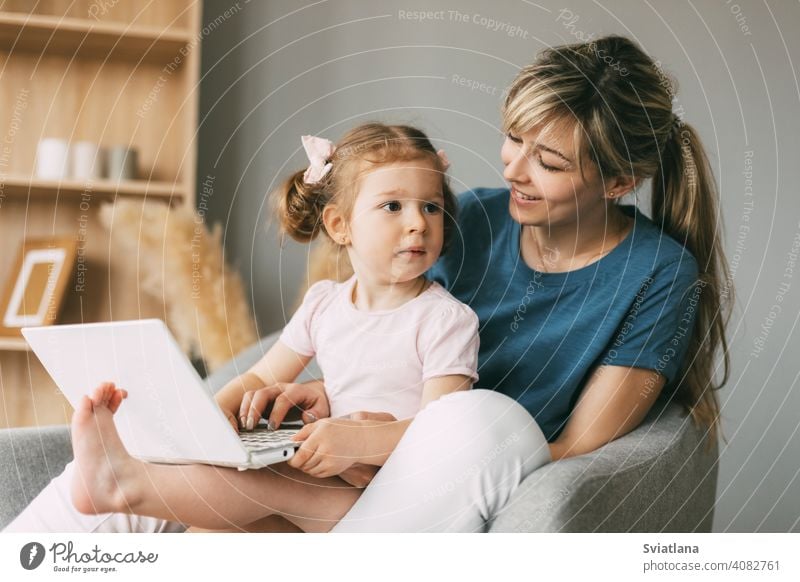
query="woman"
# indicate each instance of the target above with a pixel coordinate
(587, 308)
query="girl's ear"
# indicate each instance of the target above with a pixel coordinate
(335, 224)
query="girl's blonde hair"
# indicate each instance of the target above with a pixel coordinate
(620, 105)
(300, 205)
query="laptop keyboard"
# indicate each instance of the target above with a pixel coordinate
(259, 438)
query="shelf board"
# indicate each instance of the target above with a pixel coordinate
(14, 344)
(88, 38)
(22, 186)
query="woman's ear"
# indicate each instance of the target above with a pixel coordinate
(619, 186)
(335, 224)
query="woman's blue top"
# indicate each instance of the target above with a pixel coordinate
(543, 334)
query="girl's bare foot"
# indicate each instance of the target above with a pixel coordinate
(105, 472)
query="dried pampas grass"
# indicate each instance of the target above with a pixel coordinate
(204, 299)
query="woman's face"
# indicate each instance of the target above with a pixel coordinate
(546, 184)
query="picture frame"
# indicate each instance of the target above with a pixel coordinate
(36, 285)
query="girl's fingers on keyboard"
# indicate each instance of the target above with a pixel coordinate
(284, 402)
(259, 401)
(303, 396)
(244, 409)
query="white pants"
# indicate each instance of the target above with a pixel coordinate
(455, 468)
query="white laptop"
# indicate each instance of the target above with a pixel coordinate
(169, 415)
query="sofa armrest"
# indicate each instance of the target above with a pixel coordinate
(29, 459)
(659, 477)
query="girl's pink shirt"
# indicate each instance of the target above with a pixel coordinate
(378, 361)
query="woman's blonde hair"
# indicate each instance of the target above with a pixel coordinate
(619, 103)
(300, 205)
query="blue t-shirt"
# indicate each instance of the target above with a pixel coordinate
(543, 334)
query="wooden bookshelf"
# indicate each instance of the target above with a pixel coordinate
(14, 344)
(24, 186)
(122, 73)
(80, 38)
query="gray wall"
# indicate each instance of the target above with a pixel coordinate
(279, 69)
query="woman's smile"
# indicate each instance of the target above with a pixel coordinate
(524, 199)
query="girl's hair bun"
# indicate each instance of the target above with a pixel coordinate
(300, 207)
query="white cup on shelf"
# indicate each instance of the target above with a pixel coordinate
(86, 161)
(123, 163)
(52, 157)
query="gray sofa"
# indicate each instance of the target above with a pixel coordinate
(658, 478)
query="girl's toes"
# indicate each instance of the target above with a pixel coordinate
(116, 399)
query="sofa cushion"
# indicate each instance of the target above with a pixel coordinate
(30, 458)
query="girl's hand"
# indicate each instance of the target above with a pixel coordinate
(359, 475)
(330, 446)
(309, 397)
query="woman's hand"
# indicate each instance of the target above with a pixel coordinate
(309, 397)
(330, 446)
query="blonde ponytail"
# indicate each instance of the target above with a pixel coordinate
(685, 206)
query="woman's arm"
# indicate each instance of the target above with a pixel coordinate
(614, 401)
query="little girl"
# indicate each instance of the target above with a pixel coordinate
(379, 336)
(386, 340)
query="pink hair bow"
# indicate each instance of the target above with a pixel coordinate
(319, 150)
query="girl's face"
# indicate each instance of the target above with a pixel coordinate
(546, 184)
(396, 230)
